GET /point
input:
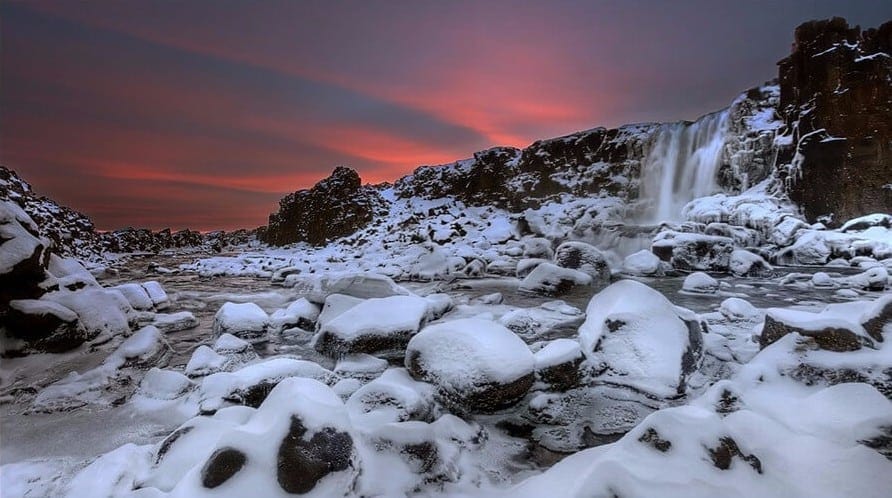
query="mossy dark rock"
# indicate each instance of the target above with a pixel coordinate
(830, 338)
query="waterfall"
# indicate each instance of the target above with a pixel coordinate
(680, 165)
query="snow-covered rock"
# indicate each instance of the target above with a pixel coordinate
(550, 279)
(362, 285)
(583, 257)
(392, 397)
(637, 339)
(830, 332)
(205, 361)
(136, 295)
(693, 251)
(373, 325)
(548, 319)
(476, 365)
(700, 283)
(301, 314)
(643, 263)
(164, 384)
(748, 264)
(251, 384)
(537, 247)
(45, 326)
(244, 320)
(557, 364)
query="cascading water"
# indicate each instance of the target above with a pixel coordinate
(680, 165)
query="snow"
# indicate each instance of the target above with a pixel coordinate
(175, 322)
(300, 312)
(205, 361)
(164, 384)
(642, 263)
(99, 310)
(700, 283)
(636, 333)
(469, 352)
(156, 293)
(43, 307)
(136, 295)
(241, 319)
(228, 343)
(557, 352)
(378, 317)
(548, 278)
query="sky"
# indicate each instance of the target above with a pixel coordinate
(202, 114)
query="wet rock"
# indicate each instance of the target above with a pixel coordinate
(221, 466)
(724, 453)
(303, 461)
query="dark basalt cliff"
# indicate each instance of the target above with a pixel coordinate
(336, 206)
(836, 97)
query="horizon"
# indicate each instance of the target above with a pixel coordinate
(135, 121)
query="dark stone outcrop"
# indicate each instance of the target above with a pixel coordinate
(303, 462)
(652, 438)
(335, 207)
(724, 453)
(222, 465)
(836, 99)
(830, 338)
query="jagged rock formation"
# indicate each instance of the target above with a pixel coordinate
(836, 98)
(336, 206)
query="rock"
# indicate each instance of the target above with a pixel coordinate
(164, 385)
(476, 365)
(335, 207)
(392, 397)
(637, 339)
(250, 385)
(864, 222)
(691, 251)
(363, 285)
(557, 364)
(872, 279)
(526, 266)
(156, 294)
(583, 257)
(643, 263)
(23, 256)
(748, 264)
(832, 334)
(136, 295)
(549, 279)
(301, 314)
(373, 326)
(835, 95)
(494, 298)
(175, 322)
(476, 268)
(45, 326)
(700, 283)
(244, 320)
(364, 367)
(736, 309)
(221, 466)
(205, 361)
(230, 344)
(335, 305)
(303, 461)
(101, 312)
(537, 247)
(546, 320)
(875, 319)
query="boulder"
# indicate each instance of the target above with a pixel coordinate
(643, 263)
(636, 338)
(693, 251)
(557, 364)
(747, 264)
(583, 257)
(46, 326)
(700, 283)
(373, 326)
(549, 279)
(476, 365)
(830, 333)
(244, 320)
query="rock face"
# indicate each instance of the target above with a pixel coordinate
(837, 101)
(336, 206)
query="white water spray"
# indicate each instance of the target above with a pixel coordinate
(680, 165)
